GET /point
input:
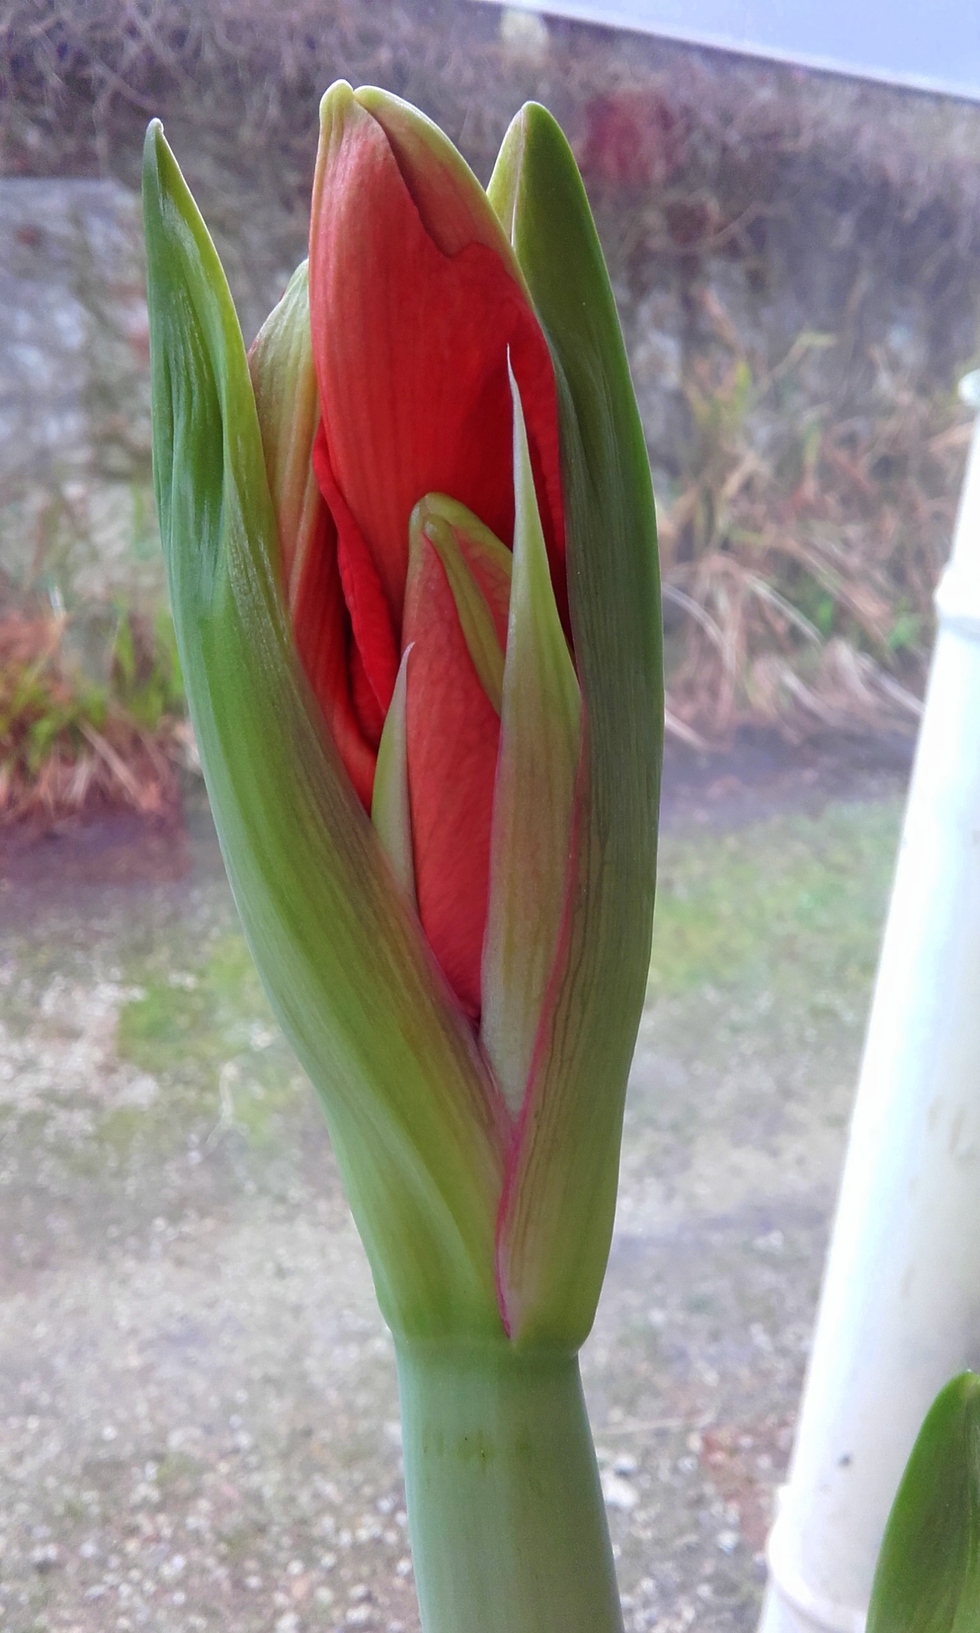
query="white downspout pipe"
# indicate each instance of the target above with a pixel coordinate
(900, 1309)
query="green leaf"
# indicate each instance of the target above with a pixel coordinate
(540, 739)
(557, 1217)
(284, 381)
(412, 1114)
(390, 810)
(928, 1575)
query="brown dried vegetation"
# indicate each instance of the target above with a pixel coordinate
(801, 552)
(806, 511)
(69, 748)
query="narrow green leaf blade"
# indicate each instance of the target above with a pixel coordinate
(534, 795)
(390, 810)
(413, 1118)
(558, 1212)
(284, 381)
(928, 1575)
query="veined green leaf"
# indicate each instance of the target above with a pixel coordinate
(283, 379)
(534, 794)
(465, 547)
(928, 1575)
(557, 1218)
(411, 1112)
(390, 811)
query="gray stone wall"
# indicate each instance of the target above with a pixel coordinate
(76, 520)
(730, 197)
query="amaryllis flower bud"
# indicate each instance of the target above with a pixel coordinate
(417, 312)
(411, 551)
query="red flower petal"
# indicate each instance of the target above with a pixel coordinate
(374, 660)
(452, 732)
(411, 348)
(323, 638)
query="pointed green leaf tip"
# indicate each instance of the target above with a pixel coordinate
(390, 810)
(284, 381)
(928, 1575)
(413, 1117)
(557, 1215)
(534, 792)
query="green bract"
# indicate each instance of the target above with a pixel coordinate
(336, 944)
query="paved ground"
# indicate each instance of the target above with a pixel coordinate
(198, 1422)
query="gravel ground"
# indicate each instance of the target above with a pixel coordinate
(198, 1418)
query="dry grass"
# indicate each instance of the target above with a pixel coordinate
(801, 551)
(806, 527)
(87, 75)
(82, 76)
(69, 749)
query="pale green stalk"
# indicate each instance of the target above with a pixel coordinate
(507, 1521)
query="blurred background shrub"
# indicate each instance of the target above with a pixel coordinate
(796, 262)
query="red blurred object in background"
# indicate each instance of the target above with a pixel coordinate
(632, 139)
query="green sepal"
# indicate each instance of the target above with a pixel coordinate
(557, 1218)
(534, 796)
(390, 810)
(283, 378)
(454, 532)
(414, 1119)
(928, 1574)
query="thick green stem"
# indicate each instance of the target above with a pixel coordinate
(507, 1521)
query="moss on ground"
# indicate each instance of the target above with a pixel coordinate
(793, 904)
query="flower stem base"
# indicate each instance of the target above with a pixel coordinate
(505, 1508)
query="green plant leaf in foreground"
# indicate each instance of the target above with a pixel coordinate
(557, 1215)
(928, 1575)
(411, 1111)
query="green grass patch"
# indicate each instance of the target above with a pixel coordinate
(765, 945)
(203, 1011)
(207, 1029)
(793, 901)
